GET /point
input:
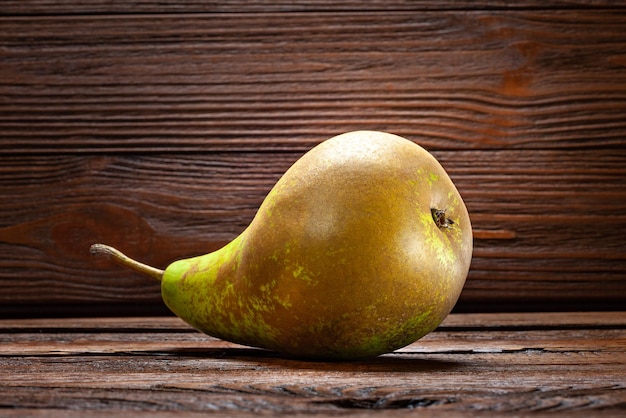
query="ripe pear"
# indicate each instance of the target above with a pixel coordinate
(361, 248)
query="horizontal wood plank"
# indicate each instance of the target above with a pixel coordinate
(458, 322)
(48, 7)
(195, 344)
(468, 369)
(260, 81)
(563, 210)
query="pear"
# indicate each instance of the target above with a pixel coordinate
(361, 248)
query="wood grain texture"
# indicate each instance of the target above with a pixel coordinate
(501, 321)
(160, 132)
(51, 7)
(566, 209)
(456, 80)
(160, 365)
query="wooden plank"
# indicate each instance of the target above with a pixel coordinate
(260, 81)
(535, 320)
(466, 321)
(479, 370)
(47, 7)
(188, 342)
(565, 210)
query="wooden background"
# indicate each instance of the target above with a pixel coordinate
(160, 128)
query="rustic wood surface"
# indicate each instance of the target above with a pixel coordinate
(48, 7)
(562, 363)
(263, 81)
(160, 128)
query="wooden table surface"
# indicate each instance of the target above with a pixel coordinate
(568, 363)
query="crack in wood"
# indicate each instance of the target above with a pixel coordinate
(385, 403)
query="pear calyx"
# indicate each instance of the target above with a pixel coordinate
(439, 216)
(124, 260)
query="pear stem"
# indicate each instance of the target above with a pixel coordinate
(124, 260)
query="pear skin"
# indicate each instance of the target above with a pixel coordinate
(361, 248)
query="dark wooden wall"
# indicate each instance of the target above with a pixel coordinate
(159, 128)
